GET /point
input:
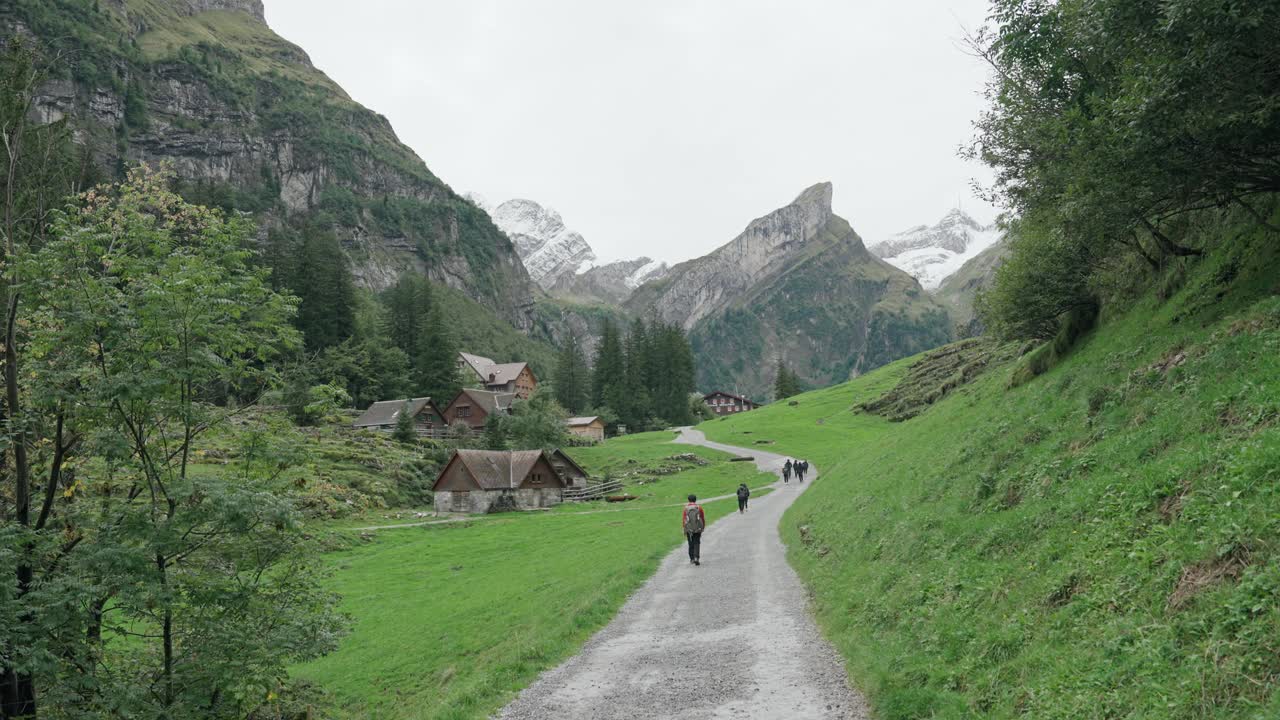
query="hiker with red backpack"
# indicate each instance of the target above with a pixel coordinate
(694, 521)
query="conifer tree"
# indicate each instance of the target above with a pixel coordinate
(405, 431)
(572, 377)
(322, 280)
(608, 370)
(785, 382)
(437, 362)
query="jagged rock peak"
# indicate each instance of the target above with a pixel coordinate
(817, 196)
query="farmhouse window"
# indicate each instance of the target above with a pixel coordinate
(464, 411)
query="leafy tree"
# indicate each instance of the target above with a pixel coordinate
(39, 172)
(538, 423)
(143, 307)
(1112, 120)
(404, 431)
(572, 377)
(698, 409)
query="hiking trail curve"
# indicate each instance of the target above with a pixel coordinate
(732, 638)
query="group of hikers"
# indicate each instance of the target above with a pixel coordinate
(694, 518)
(799, 467)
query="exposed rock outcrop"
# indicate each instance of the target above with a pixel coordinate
(246, 121)
(797, 284)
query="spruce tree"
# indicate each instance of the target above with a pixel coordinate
(326, 314)
(405, 432)
(437, 361)
(608, 370)
(572, 377)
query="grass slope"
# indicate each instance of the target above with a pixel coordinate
(452, 620)
(1100, 542)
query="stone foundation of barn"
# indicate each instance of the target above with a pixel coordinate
(490, 501)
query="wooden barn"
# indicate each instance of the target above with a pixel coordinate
(486, 481)
(382, 415)
(591, 427)
(474, 407)
(723, 403)
(569, 471)
(515, 378)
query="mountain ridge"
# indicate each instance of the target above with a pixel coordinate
(931, 253)
(247, 122)
(797, 285)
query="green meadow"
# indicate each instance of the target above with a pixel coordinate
(1101, 541)
(449, 621)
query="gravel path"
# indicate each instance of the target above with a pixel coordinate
(732, 638)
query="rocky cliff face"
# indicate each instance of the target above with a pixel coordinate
(699, 288)
(797, 284)
(247, 122)
(931, 253)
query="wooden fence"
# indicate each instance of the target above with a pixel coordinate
(593, 491)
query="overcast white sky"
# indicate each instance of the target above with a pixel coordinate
(663, 127)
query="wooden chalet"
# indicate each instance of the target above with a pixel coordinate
(474, 407)
(383, 415)
(723, 403)
(485, 481)
(515, 378)
(591, 427)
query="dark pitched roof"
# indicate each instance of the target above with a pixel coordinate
(560, 454)
(495, 469)
(478, 363)
(385, 412)
(576, 421)
(503, 373)
(729, 395)
(489, 400)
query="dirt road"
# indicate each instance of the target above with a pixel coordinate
(731, 638)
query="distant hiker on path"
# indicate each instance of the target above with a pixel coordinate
(802, 467)
(694, 521)
(744, 492)
(786, 471)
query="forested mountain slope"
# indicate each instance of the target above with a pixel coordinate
(1101, 540)
(249, 124)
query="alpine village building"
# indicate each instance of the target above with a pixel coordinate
(591, 428)
(723, 403)
(474, 407)
(515, 378)
(489, 481)
(382, 415)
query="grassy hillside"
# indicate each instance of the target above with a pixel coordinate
(1102, 541)
(452, 620)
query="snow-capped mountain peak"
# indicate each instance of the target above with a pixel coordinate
(559, 259)
(932, 253)
(548, 248)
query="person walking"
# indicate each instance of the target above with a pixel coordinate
(801, 466)
(744, 493)
(786, 471)
(694, 521)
